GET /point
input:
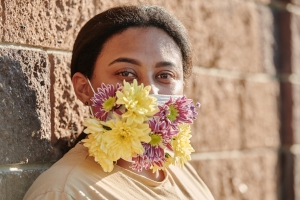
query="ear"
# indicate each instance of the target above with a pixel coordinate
(81, 87)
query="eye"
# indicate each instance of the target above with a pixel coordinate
(127, 75)
(165, 77)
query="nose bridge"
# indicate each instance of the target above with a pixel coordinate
(150, 80)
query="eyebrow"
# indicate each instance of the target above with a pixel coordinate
(136, 62)
(127, 60)
(165, 64)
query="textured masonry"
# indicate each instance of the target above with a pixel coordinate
(230, 182)
(246, 76)
(66, 110)
(289, 24)
(52, 24)
(25, 108)
(230, 117)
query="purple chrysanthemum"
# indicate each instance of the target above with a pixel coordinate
(177, 111)
(104, 100)
(162, 132)
(161, 137)
(140, 162)
(152, 155)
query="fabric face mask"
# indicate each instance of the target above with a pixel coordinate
(161, 98)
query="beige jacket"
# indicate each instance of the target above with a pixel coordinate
(78, 176)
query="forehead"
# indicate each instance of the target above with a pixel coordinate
(140, 40)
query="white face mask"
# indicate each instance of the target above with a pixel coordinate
(161, 98)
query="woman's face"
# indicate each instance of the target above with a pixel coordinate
(146, 54)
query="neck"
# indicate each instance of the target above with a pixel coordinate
(156, 176)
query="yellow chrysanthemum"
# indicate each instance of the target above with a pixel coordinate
(181, 145)
(138, 103)
(124, 139)
(93, 125)
(93, 143)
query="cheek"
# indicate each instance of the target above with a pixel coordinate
(178, 90)
(174, 89)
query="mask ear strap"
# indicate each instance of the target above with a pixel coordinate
(90, 85)
(90, 107)
(91, 111)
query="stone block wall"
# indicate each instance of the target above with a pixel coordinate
(246, 76)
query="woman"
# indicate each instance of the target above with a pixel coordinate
(124, 43)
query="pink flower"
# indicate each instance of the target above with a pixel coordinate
(162, 132)
(140, 162)
(152, 155)
(161, 137)
(178, 111)
(104, 100)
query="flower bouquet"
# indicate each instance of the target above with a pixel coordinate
(150, 131)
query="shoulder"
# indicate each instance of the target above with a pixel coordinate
(54, 180)
(51, 195)
(189, 180)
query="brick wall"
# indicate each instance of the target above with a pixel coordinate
(246, 76)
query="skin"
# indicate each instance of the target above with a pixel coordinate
(147, 54)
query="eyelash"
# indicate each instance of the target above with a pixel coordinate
(168, 74)
(164, 76)
(122, 73)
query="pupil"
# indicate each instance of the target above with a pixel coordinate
(125, 73)
(164, 76)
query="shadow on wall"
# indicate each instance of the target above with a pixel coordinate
(20, 122)
(22, 135)
(26, 149)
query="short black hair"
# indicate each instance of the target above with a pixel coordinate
(103, 26)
